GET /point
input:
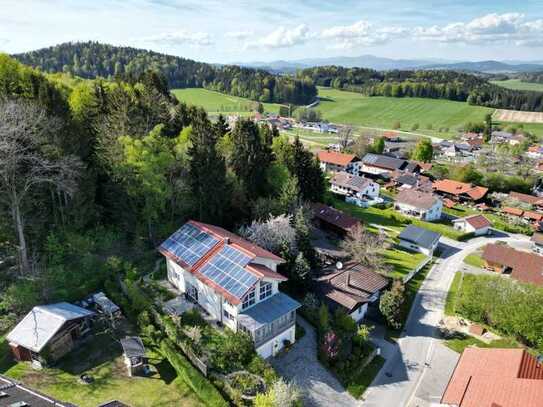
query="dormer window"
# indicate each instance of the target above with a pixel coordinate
(265, 290)
(249, 299)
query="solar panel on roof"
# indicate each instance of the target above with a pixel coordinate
(226, 269)
(189, 244)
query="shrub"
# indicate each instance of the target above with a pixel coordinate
(231, 351)
(324, 318)
(391, 303)
(198, 383)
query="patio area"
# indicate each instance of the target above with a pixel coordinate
(182, 303)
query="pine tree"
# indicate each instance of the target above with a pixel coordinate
(207, 171)
(303, 164)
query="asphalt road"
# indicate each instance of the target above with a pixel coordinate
(419, 368)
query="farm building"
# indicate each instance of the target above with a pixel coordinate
(419, 204)
(333, 220)
(419, 240)
(522, 266)
(378, 164)
(351, 287)
(48, 332)
(476, 224)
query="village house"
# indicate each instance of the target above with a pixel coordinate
(419, 240)
(453, 151)
(495, 378)
(49, 332)
(531, 200)
(15, 394)
(419, 204)
(459, 191)
(377, 164)
(333, 220)
(392, 137)
(234, 281)
(478, 225)
(522, 266)
(403, 180)
(535, 152)
(505, 137)
(350, 287)
(332, 161)
(344, 183)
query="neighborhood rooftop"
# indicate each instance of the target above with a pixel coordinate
(336, 158)
(383, 161)
(350, 181)
(416, 198)
(419, 236)
(14, 394)
(43, 322)
(352, 285)
(495, 377)
(526, 267)
(334, 217)
(269, 310)
(457, 188)
(476, 221)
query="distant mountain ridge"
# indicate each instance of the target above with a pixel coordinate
(386, 64)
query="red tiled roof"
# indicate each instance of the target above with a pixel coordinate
(478, 221)
(333, 157)
(533, 215)
(457, 188)
(495, 377)
(335, 217)
(526, 267)
(449, 203)
(529, 199)
(512, 211)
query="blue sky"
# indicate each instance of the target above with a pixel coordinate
(243, 30)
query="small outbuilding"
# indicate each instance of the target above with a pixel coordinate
(419, 240)
(476, 224)
(49, 332)
(134, 355)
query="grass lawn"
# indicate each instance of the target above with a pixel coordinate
(215, 102)
(450, 302)
(475, 260)
(102, 358)
(459, 344)
(392, 219)
(402, 261)
(382, 112)
(517, 84)
(361, 381)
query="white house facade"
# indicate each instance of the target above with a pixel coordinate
(332, 161)
(419, 204)
(476, 224)
(419, 240)
(344, 183)
(235, 282)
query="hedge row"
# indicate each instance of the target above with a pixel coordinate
(198, 383)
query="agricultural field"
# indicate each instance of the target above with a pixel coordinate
(430, 115)
(517, 84)
(517, 116)
(215, 102)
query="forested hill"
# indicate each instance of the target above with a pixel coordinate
(92, 60)
(531, 77)
(437, 84)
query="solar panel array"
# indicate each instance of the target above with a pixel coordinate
(189, 244)
(226, 269)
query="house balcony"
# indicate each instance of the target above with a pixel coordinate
(269, 318)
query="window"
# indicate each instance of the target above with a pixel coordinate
(228, 316)
(249, 299)
(265, 290)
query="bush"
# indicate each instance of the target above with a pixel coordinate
(231, 351)
(198, 383)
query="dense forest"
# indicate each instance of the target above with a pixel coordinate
(435, 84)
(95, 173)
(532, 77)
(92, 60)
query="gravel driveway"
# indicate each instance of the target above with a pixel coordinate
(300, 364)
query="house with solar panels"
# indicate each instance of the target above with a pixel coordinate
(234, 281)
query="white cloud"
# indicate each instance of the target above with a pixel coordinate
(282, 38)
(361, 33)
(181, 37)
(509, 28)
(239, 35)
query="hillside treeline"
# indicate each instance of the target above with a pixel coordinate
(94, 174)
(436, 84)
(532, 77)
(92, 60)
